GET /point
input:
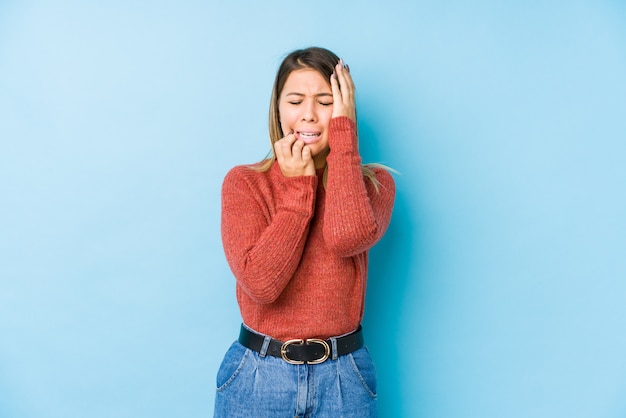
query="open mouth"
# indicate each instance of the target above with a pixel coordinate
(308, 137)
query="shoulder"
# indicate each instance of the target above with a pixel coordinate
(245, 173)
(382, 174)
(240, 176)
(247, 178)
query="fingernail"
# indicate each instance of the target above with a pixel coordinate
(348, 67)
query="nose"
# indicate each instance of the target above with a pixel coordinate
(309, 113)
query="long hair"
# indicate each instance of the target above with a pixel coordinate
(321, 60)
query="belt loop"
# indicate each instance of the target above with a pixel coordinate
(333, 342)
(266, 344)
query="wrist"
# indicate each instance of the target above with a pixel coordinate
(342, 135)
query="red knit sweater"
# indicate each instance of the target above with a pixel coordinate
(298, 250)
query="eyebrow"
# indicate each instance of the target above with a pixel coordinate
(301, 94)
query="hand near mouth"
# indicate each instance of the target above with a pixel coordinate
(343, 92)
(294, 157)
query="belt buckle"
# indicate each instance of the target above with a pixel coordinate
(283, 351)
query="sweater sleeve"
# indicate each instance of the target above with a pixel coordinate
(264, 228)
(357, 215)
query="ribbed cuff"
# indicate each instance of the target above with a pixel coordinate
(297, 194)
(342, 134)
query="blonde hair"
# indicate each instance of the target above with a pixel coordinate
(323, 61)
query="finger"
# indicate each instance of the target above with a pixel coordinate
(287, 141)
(296, 149)
(343, 89)
(345, 70)
(343, 92)
(278, 152)
(339, 103)
(306, 154)
(282, 147)
(345, 82)
(334, 87)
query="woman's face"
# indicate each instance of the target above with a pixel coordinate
(305, 107)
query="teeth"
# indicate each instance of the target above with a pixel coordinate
(307, 134)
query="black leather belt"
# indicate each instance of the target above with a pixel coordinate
(310, 351)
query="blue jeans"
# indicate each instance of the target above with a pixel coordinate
(253, 386)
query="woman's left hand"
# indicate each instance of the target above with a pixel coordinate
(342, 87)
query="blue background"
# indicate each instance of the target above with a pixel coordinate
(498, 291)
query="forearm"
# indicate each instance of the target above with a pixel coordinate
(263, 241)
(357, 215)
(264, 266)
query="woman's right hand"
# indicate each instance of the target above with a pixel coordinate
(294, 157)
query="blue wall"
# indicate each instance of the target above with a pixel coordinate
(499, 290)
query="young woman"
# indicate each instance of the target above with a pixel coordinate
(296, 230)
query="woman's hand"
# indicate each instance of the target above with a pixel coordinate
(294, 157)
(343, 92)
